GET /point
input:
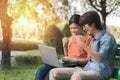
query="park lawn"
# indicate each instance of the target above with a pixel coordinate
(19, 72)
(22, 72)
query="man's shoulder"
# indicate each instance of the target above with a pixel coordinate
(107, 35)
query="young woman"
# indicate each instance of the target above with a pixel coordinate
(72, 50)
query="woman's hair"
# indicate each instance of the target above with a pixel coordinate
(74, 19)
(91, 17)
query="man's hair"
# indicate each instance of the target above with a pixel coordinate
(91, 17)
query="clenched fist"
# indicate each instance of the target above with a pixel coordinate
(65, 41)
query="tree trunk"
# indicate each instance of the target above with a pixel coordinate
(6, 33)
(104, 20)
(103, 13)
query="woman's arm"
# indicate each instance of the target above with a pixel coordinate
(65, 44)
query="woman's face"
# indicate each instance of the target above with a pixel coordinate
(75, 29)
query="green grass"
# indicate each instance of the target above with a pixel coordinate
(22, 71)
(19, 72)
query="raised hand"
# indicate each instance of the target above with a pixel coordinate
(65, 42)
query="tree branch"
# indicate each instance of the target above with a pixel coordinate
(112, 9)
(91, 3)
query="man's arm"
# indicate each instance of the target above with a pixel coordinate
(91, 52)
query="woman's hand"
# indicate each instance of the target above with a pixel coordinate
(68, 59)
(65, 41)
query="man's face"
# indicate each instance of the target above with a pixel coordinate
(89, 28)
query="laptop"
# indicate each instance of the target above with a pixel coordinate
(49, 56)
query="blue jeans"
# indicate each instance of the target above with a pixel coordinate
(43, 72)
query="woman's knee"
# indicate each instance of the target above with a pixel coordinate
(40, 70)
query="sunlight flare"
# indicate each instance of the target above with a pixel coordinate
(22, 20)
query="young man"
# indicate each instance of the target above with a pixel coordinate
(101, 61)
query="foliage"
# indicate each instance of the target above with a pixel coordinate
(39, 10)
(23, 45)
(53, 37)
(27, 60)
(104, 7)
(34, 15)
(30, 57)
(115, 31)
(66, 31)
(62, 7)
(22, 8)
(99, 5)
(34, 52)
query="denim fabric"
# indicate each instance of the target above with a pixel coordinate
(43, 72)
(106, 46)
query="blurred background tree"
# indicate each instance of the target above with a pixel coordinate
(37, 14)
(66, 31)
(53, 37)
(5, 21)
(104, 7)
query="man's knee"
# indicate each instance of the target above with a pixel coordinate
(78, 75)
(55, 73)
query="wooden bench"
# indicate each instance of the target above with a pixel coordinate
(117, 57)
(116, 74)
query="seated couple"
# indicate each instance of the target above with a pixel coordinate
(100, 57)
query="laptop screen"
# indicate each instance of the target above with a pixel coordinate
(48, 55)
